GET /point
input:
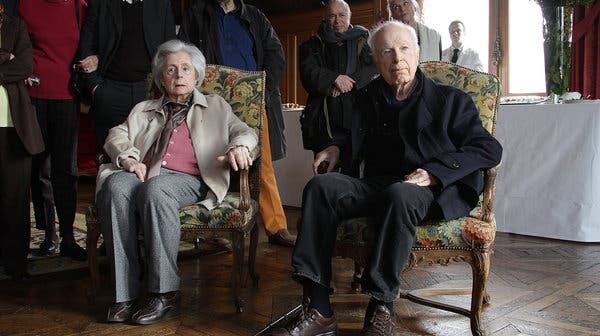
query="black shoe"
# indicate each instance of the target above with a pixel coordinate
(47, 247)
(156, 308)
(72, 250)
(310, 323)
(120, 311)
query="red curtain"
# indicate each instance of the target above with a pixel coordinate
(585, 56)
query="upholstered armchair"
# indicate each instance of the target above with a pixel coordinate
(468, 239)
(237, 214)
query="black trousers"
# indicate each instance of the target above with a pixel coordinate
(15, 174)
(54, 171)
(112, 103)
(398, 208)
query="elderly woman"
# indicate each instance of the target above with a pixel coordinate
(429, 40)
(170, 152)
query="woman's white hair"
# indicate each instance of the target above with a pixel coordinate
(407, 28)
(416, 9)
(173, 46)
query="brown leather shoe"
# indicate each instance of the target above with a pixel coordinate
(284, 238)
(212, 246)
(120, 311)
(381, 323)
(311, 323)
(157, 307)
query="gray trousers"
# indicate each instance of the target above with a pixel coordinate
(127, 206)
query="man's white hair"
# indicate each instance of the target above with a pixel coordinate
(393, 23)
(416, 9)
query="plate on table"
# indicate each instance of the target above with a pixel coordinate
(515, 100)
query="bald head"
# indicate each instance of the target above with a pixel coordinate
(337, 15)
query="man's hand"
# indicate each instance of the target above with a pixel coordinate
(133, 166)
(89, 64)
(421, 177)
(336, 92)
(238, 157)
(330, 155)
(344, 83)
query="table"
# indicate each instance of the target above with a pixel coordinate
(549, 181)
(295, 169)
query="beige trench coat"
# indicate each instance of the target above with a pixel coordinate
(214, 130)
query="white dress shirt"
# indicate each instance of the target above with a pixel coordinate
(467, 57)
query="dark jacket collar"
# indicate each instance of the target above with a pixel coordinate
(431, 98)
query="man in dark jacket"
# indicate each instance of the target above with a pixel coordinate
(424, 150)
(117, 43)
(334, 64)
(232, 33)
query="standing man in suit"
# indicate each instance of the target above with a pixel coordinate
(118, 40)
(458, 53)
(231, 33)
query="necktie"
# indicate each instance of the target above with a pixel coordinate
(455, 55)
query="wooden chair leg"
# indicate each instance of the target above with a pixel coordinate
(93, 233)
(237, 239)
(252, 255)
(481, 269)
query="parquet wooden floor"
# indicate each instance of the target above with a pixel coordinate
(537, 287)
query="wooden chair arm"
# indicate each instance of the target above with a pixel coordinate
(102, 158)
(489, 193)
(244, 190)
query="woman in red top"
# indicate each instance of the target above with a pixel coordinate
(54, 27)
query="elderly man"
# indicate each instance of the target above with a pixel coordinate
(335, 63)
(429, 40)
(231, 33)
(424, 150)
(458, 53)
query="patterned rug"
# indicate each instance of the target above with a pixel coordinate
(43, 264)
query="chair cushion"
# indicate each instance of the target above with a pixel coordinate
(462, 233)
(225, 216)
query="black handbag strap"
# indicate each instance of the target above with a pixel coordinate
(76, 2)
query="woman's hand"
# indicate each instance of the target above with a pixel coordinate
(133, 166)
(89, 64)
(238, 157)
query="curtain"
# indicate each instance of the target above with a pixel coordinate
(585, 56)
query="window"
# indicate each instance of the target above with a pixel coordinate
(521, 31)
(525, 48)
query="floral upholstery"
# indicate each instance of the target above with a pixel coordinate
(244, 91)
(483, 88)
(461, 233)
(227, 215)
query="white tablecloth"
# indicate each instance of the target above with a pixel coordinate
(549, 181)
(295, 169)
